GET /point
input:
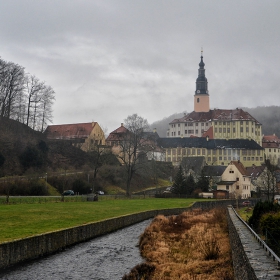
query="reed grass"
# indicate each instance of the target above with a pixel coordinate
(193, 245)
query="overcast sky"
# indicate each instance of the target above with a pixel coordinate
(108, 59)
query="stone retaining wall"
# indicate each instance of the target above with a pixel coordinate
(241, 265)
(17, 251)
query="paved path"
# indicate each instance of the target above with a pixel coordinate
(263, 264)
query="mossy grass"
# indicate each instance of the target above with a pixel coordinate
(245, 213)
(24, 220)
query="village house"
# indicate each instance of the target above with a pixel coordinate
(147, 145)
(236, 181)
(271, 145)
(86, 136)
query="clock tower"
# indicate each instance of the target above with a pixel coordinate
(201, 96)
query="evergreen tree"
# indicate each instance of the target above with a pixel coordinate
(179, 186)
(203, 182)
(190, 185)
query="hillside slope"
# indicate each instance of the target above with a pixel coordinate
(16, 137)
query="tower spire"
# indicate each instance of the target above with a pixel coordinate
(201, 96)
(201, 81)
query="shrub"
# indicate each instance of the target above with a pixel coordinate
(31, 157)
(270, 227)
(142, 271)
(260, 209)
(80, 186)
(24, 187)
(208, 245)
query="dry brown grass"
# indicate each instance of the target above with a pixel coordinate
(191, 246)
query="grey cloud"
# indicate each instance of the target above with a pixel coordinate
(108, 59)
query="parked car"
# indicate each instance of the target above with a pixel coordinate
(68, 192)
(246, 203)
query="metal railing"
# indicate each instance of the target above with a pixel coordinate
(260, 241)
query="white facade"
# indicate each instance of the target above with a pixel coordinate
(236, 181)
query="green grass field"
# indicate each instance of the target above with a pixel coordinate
(24, 220)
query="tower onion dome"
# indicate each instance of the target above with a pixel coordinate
(201, 81)
(201, 64)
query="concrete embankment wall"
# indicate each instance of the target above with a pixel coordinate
(18, 251)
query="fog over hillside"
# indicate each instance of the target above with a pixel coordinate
(268, 116)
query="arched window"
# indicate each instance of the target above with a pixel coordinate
(197, 100)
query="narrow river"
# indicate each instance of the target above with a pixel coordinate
(107, 257)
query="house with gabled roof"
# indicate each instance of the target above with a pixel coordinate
(85, 136)
(236, 181)
(148, 143)
(256, 173)
(271, 145)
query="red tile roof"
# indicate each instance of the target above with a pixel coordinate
(270, 141)
(209, 133)
(69, 131)
(270, 138)
(240, 167)
(117, 133)
(270, 145)
(215, 115)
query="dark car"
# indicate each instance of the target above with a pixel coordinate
(69, 192)
(246, 203)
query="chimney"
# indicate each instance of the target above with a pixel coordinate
(155, 130)
(121, 124)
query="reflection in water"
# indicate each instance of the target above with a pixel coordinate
(106, 257)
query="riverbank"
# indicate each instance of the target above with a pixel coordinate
(193, 245)
(21, 250)
(25, 220)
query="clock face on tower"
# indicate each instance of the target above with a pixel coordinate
(198, 91)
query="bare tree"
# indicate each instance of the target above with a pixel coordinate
(23, 97)
(267, 183)
(34, 89)
(47, 100)
(134, 146)
(11, 85)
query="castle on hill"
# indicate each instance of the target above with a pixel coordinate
(219, 135)
(216, 123)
